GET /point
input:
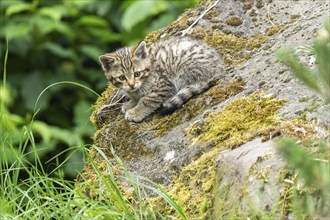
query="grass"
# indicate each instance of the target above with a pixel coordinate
(42, 195)
(46, 196)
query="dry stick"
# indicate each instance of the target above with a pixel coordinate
(184, 32)
(268, 15)
(111, 102)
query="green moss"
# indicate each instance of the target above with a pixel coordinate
(152, 37)
(258, 173)
(125, 138)
(234, 21)
(222, 92)
(193, 188)
(235, 43)
(285, 201)
(259, 4)
(204, 1)
(190, 110)
(114, 130)
(239, 121)
(195, 106)
(214, 12)
(274, 29)
(294, 18)
(232, 47)
(247, 5)
(122, 135)
(103, 100)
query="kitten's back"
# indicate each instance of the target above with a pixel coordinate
(191, 65)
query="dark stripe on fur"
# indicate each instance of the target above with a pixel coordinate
(182, 96)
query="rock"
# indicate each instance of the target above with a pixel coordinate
(250, 175)
(208, 154)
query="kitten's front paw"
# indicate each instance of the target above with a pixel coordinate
(132, 115)
(127, 106)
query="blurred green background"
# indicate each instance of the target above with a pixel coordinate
(52, 41)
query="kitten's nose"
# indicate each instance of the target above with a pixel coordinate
(131, 83)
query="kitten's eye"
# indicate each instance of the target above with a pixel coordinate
(137, 74)
(122, 77)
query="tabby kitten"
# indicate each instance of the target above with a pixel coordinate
(163, 76)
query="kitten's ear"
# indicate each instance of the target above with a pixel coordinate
(140, 50)
(107, 62)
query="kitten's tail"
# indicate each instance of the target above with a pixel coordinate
(182, 96)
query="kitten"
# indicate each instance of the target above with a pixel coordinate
(163, 76)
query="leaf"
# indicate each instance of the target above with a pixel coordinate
(91, 51)
(103, 7)
(103, 35)
(58, 50)
(14, 30)
(31, 88)
(66, 136)
(90, 20)
(322, 48)
(160, 22)
(140, 10)
(298, 158)
(65, 29)
(44, 24)
(21, 45)
(78, 4)
(55, 12)
(43, 130)
(17, 8)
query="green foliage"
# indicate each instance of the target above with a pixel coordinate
(319, 79)
(40, 196)
(311, 195)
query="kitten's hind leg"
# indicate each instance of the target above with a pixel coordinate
(183, 95)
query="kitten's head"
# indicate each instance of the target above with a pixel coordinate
(128, 67)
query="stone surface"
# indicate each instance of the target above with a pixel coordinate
(249, 175)
(162, 147)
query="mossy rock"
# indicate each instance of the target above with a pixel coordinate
(184, 152)
(129, 138)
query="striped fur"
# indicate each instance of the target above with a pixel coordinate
(163, 76)
(183, 95)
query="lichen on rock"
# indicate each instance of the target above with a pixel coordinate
(220, 142)
(239, 121)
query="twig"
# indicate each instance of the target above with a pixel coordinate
(111, 102)
(184, 32)
(268, 15)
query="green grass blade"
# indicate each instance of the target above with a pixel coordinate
(63, 82)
